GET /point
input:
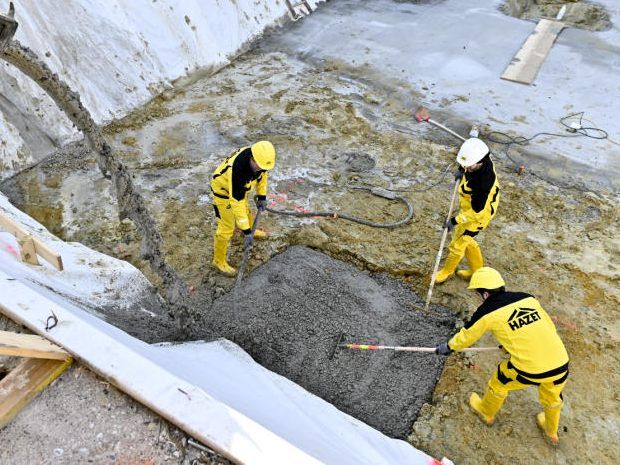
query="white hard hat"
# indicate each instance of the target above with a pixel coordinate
(471, 152)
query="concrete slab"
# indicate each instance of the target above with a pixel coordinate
(454, 52)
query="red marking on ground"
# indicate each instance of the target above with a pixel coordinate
(433, 461)
(565, 323)
(11, 250)
(299, 208)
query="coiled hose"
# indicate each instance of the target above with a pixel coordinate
(378, 191)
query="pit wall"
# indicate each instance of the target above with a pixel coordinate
(117, 55)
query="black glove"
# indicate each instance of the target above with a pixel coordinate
(247, 238)
(261, 202)
(449, 225)
(458, 174)
(443, 349)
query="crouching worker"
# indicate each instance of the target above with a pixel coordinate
(478, 201)
(231, 184)
(537, 354)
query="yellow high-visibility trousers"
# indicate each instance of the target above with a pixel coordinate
(460, 244)
(506, 379)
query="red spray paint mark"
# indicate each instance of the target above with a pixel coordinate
(11, 250)
(474, 366)
(278, 198)
(565, 323)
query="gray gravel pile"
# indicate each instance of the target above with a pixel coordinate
(288, 315)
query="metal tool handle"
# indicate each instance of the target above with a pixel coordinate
(441, 246)
(412, 349)
(246, 252)
(448, 130)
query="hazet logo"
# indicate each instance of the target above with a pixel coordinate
(522, 317)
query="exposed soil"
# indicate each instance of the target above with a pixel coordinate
(558, 243)
(80, 420)
(580, 14)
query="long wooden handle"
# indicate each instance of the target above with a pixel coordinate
(441, 246)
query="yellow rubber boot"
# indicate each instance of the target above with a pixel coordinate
(448, 269)
(220, 247)
(549, 422)
(473, 254)
(487, 407)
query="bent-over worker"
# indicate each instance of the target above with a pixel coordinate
(478, 201)
(537, 355)
(246, 169)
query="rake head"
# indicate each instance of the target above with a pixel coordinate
(336, 346)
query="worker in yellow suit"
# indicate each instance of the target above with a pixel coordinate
(478, 199)
(233, 180)
(537, 355)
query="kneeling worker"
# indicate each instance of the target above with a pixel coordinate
(478, 199)
(245, 170)
(537, 354)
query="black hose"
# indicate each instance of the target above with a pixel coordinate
(378, 191)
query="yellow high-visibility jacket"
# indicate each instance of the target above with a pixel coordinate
(478, 197)
(522, 327)
(233, 180)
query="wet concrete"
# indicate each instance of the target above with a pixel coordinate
(338, 119)
(288, 315)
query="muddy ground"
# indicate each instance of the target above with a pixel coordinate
(549, 238)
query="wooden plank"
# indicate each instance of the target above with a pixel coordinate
(24, 382)
(11, 226)
(27, 250)
(528, 60)
(23, 237)
(133, 367)
(49, 255)
(30, 345)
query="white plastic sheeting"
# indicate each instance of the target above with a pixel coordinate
(117, 55)
(214, 391)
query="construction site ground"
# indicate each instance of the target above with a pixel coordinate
(340, 120)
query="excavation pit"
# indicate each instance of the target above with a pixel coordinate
(290, 311)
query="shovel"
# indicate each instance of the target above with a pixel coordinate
(246, 252)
